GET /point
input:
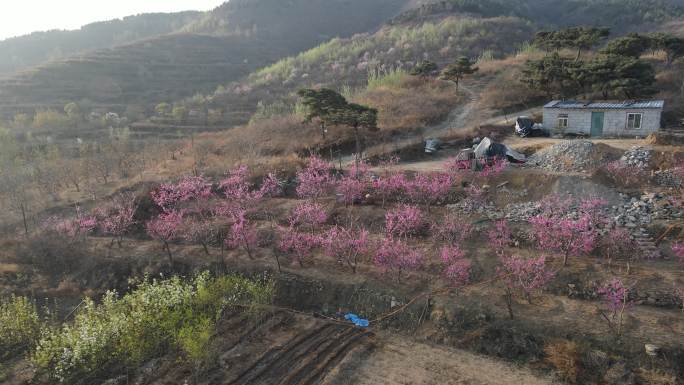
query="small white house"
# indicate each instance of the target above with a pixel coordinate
(604, 118)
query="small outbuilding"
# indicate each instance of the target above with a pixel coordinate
(603, 118)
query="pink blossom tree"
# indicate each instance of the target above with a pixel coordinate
(569, 237)
(86, 223)
(618, 243)
(395, 256)
(200, 230)
(354, 186)
(593, 207)
(456, 268)
(73, 228)
(390, 187)
(430, 189)
(500, 237)
(347, 246)
(243, 235)
(452, 230)
(404, 222)
(316, 179)
(300, 238)
(523, 275)
(616, 300)
(190, 188)
(298, 245)
(241, 194)
(308, 215)
(493, 167)
(165, 228)
(117, 217)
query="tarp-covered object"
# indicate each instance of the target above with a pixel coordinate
(360, 322)
(489, 149)
(524, 126)
(432, 145)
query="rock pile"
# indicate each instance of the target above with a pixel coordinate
(567, 156)
(638, 212)
(670, 178)
(637, 156)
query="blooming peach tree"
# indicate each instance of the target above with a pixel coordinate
(524, 276)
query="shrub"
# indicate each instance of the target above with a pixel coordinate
(157, 315)
(19, 326)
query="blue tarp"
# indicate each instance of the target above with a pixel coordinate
(360, 322)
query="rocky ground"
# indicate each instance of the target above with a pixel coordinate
(569, 156)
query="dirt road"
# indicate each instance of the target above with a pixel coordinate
(398, 361)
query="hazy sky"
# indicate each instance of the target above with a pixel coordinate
(19, 17)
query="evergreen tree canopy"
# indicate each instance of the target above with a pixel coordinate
(673, 46)
(456, 71)
(424, 68)
(632, 45)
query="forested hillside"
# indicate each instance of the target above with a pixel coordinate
(620, 15)
(21, 52)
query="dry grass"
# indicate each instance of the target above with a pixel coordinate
(656, 377)
(279, 143)
(671, 84)
(411, 105)
(504, 92)
(565, 357)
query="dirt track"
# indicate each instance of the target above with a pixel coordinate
(291, 349)
(400, 361)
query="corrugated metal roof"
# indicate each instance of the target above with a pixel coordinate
(624, 104)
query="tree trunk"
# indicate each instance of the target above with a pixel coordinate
(206, 249)
(23, 217)
(275, 256)
(168, 252)
(579, 53)
(357, 159)
(509, 303)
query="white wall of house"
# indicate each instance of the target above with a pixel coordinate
(614, 124)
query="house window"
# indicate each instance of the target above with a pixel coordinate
(634, 121)
(562, 121)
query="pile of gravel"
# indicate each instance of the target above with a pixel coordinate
(670, 178)
(637, 156)
(568, 156)
(638, 212)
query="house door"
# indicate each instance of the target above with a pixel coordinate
(597, 124)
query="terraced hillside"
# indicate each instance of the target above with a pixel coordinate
(232, 41)
(22, 52)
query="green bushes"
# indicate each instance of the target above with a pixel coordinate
(20, 326)
(351, 58)
(391, 78)
(146, 323)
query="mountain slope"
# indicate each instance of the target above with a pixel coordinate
(21, 52)
(621, 15)
(230, 42)
(440, 31)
